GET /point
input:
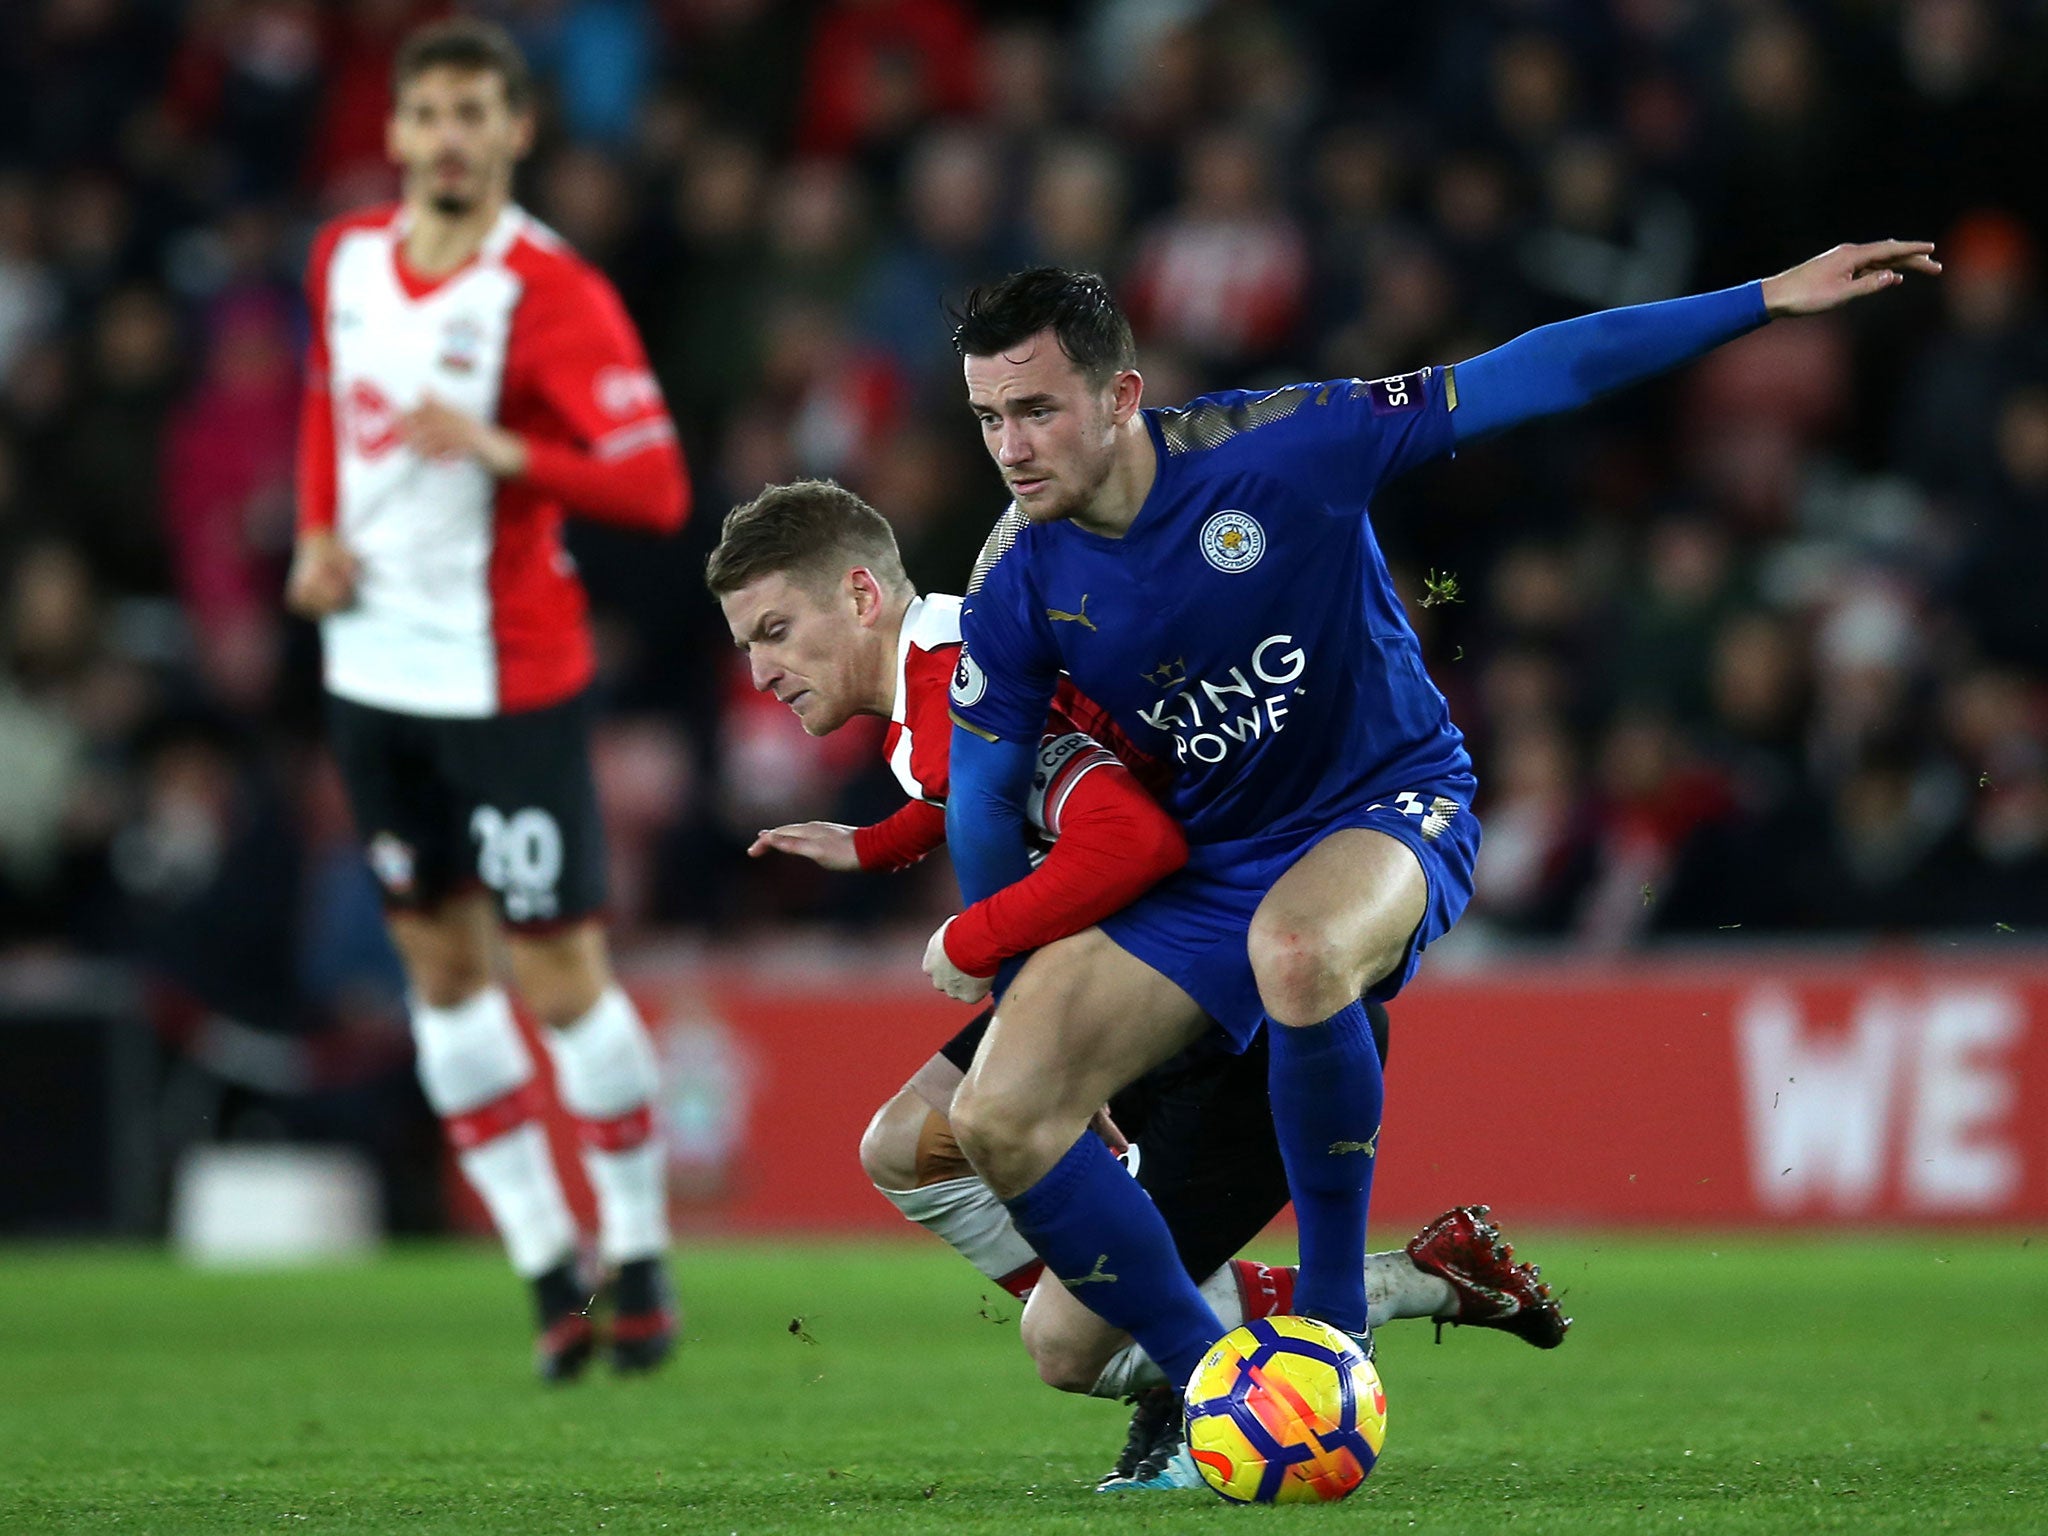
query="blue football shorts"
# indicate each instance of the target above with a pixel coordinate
(1193, 927)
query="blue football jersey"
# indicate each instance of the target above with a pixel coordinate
(1245, 628)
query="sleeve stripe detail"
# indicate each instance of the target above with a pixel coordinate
(630, 440)
(969, 725)
(1056, 802)
(1450, 389)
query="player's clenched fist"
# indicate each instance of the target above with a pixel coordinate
(827, 844)
(322, 578)
(947, 976)
(1847, 272)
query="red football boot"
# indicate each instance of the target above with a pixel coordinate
(1493, 1291)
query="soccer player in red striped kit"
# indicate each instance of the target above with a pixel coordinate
(471, 380)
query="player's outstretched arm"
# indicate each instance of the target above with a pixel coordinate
(1561, 367)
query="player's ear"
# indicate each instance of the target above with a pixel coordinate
(1126, 394)
(867, 595)
(522, 132)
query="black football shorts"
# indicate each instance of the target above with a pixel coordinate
(506, 803)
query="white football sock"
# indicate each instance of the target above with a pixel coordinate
(1130, 1369)
(1394, 1287)
(475, 1071)
(608, 1077)
(515, 1174)
(470, 1054)
(966, 1213)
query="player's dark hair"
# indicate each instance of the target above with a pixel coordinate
(812, 531)
(1077, 307)
(464, 42)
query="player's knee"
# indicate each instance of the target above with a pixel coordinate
(444, 971)
(1302, 974)
(991, 1129)
(978, 1122)
(1063, 1362)
(888, 1147)
(561, 975)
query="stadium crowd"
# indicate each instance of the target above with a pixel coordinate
(1759, 647)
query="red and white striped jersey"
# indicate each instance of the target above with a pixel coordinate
(920, 735)
(466, 602)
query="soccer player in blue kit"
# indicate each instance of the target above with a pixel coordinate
(1209, 575)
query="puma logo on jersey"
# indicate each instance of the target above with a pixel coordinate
(1095, 1275)
(1059, 616)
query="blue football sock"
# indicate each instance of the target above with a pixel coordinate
(1327, 1094)
(1101, 1234)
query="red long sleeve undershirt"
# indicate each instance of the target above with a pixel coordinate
(902, 838)
(647, 489)
(1114, 844)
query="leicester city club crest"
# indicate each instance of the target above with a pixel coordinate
(1232, 541)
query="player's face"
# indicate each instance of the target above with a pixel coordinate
(1051, 430)
(806, 649)
(456, 138)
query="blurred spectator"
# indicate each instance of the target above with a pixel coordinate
(1600, 247)
(111, 455)
(602, 58)
(228, 465)
(360, 43)
(1948, 423)
(1224, 276)
(245, 78)
(879, 68)
(1540, 830)
(953, 192)
(704, 335)
(1076, 208)
(29, 297)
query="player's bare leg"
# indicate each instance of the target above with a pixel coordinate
(1083, 1020)
(478, 1075)
(910, 1155)
(1336, 922)
(608, 1077)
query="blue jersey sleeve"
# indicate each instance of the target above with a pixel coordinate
(1001, 694)
(1008, 668)
(1337, 441)
(1564, 366)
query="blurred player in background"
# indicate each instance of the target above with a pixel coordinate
(1210, 577)
(470, 380)
(814, 590)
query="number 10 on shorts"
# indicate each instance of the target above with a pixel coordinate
(520, 857)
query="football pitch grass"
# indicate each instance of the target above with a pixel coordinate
(1895, 1383)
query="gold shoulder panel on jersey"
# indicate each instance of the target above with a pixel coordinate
(996, 545)
(1209, 424)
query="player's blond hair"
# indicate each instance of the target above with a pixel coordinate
(813, 532)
